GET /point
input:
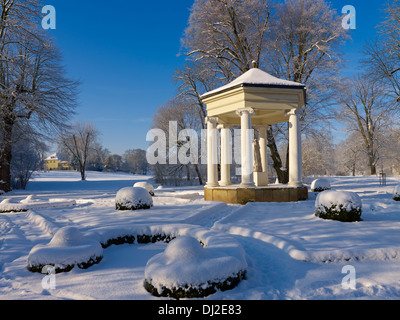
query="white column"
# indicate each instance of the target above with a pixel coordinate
(247, 135)
(295, 152)
(212, 152)
(226, 155)
(261, 178)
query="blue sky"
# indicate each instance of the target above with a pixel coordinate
(126, 52)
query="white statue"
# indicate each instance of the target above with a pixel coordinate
(257, 157)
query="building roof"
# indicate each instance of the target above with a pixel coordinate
(255, 78)
(52, 157)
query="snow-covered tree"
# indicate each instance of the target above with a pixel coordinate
(390, 158)
(24, 162)
(296, 40)
(304, 46)
(382, 54)
(78, 141)
(179, 119)
(34, 92)
(368, 111)
(97, 156)
(135, 161)
(318, 155)
(349, 156)
(113, 162)
(227, 35)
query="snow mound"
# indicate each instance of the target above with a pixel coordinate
(69, 247)
(42, 223)
(145, 185)
(31, 199)
(186, 269)
(67, 236)
(133, 198)
(344, 206)
(320, 185)
(196, 263)
(8, 201)
(396, 193)
(11, 205)
(31, 203)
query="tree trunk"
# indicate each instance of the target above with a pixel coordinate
(83, 176)
(372, 167)
(6, 155)
(371, 159)
(196, 168)
(82, 170)
(187, 172)
(5, 168)
(283, 175)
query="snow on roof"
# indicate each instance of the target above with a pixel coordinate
(256, 77)
(52, 157)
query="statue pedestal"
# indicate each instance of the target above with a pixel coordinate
(236, 194)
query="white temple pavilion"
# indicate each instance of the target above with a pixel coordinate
(254, 100)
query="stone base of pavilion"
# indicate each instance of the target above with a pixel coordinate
(236, 194)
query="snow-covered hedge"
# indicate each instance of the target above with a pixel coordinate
(31, 203)
(196, 263)
(31, 199)
(186, 269)
(320, 185)
(133, 198)
(67, 248)
(338, 205)
(10, 205)
(396, 193)
(145, 185)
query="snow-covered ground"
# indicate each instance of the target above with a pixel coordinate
(290, 253)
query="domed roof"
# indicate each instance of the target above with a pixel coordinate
(270, 98)
(255, 78)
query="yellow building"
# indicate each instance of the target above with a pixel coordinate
(53, 163)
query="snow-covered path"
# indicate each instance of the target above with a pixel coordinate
(291, 254)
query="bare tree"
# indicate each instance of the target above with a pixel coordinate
(97, 156)
(113, 163)
(194, 79)
(185, 115)
(26, 159)
(367, 110)
(135, 161)
(349, 155)
(392, 152)
(79, 142)
(305, 40)
(382, 55)
(27, 155)
(227, 35)
(304, 46)
(34, 92)
(318, 155)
